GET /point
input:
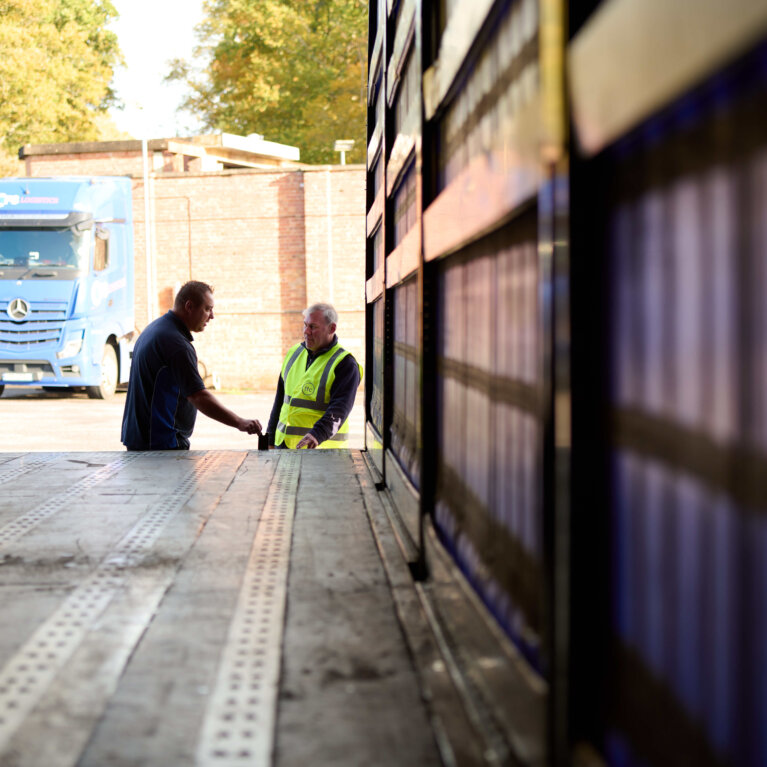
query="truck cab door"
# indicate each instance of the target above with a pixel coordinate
(103, 257)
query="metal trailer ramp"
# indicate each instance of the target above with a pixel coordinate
(199, 608)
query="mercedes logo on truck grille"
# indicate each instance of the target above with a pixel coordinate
(18, 309)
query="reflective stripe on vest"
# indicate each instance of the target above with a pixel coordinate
(302, 431)
(298, 413)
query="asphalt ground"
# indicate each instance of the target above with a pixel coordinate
(33, 420)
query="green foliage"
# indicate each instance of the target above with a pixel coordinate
(292, 70)
(56, 64)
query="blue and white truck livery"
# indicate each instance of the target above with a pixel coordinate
(66, 282)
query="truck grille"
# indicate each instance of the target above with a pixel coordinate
(42, 327)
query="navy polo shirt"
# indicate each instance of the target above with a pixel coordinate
(158, 415)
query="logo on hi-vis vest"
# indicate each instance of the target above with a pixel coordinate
(307, 388)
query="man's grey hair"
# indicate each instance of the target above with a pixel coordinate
(330, 314)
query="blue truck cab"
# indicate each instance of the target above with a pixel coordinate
(66, 282)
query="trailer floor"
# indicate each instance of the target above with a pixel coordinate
(200, 608)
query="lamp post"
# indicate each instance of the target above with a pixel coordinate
(147, 232)
(149, 244)
(343, 146)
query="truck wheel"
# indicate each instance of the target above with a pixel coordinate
(108, 384)
(2, 389)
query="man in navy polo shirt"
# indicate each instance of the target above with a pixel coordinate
(165, 390)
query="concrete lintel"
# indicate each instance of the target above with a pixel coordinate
(91, 147)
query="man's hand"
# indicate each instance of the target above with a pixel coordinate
(252, 426)
(308, 442)
(206, 403)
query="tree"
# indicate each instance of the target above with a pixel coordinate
(291, 70)
(56, 63)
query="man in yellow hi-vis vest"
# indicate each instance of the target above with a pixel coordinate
(316, 388)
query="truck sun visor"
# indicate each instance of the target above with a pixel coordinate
(37, 219)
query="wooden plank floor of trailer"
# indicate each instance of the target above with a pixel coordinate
(200, 608)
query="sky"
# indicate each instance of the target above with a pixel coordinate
(151, 32)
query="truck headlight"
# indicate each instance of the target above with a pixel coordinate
(71, 347)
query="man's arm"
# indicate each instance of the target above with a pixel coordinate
(207, 403)
(274, 418)
(342, 395)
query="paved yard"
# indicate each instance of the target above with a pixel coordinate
(34, 420)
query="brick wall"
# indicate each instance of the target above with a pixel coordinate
(93, 163)
(335, 247)
(269, 241)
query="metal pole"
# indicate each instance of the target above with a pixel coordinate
(147, 235)
(329, 215)
(153, 238)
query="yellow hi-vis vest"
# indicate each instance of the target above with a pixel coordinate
(307, 394)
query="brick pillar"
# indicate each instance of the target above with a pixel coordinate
(291, 256)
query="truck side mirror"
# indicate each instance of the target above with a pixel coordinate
(101, 254)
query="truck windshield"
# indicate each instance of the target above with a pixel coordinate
(43, 254)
